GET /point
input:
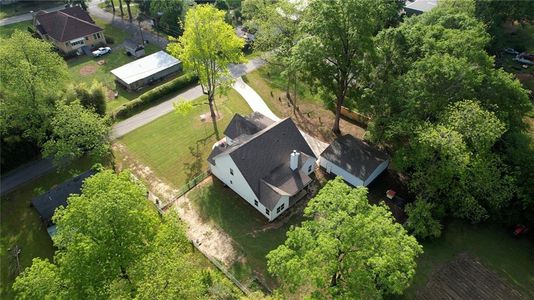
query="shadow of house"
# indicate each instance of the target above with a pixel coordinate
(47, 203)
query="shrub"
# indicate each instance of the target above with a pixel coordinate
(421, 221)
(110, 40)
(154, 95)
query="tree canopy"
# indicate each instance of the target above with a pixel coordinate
(32, 79)
(76, 131)
(207, 47)
(112, 244)
(437, 101)
(347, 248)
(338, 44)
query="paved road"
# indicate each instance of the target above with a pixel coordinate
(38, 168)
(25, 17)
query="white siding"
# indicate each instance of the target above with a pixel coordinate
(237, 182)
(284, 200)
(305, 167)
(335, 169)
(377, 172)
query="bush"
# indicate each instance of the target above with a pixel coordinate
(110, 40)
(154, 95)
(421, 221)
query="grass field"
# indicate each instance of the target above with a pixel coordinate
(23, 7)
(512, 259)
(176, 146)
(20, 224)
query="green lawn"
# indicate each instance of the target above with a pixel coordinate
(245, 225)
(176, 147)
(23, 7)
(20, 224)
(7, 30)
(494, 246)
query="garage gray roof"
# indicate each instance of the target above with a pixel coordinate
(354, 156)
(47, 203)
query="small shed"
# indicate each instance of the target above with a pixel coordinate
(47, 203)
(353, 159)
(147, 70)
(134, 49)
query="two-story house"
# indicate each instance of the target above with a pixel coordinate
(267, 163)
(69, 29)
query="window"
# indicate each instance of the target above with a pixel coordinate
(231, 182)
(280, 208)
(268, 212)
(310, 168)
(256, 202)
(67, 44)
(231, 172)
(86, 38)
(78, 42)
(96, 35)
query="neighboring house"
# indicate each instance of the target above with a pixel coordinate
(69, 29)
(47, 203)
(134, 49)
(147, 70)
(418, 7)
(267, 163)
(354, 160)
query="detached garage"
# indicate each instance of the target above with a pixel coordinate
(354, 160)
(147, 70)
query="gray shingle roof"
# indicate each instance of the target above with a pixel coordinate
(264, 155)
(47, 203)
(355, 156)
(248, 125)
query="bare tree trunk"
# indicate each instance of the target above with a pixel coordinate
(129, 10)
(339, 103)
(295, 87)
(112, 6)
(141, 31)
(120, 7)
(211, 101)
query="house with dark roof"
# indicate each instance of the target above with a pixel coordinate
(47, 203)
(417, 7)
(267, 163)
(69, 29)
(353, 159)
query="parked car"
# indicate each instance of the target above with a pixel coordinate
(101, 51)
(398, 201)
(523, 61)
(511, 51)
(520, 230)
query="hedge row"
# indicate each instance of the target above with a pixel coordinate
(154, 95)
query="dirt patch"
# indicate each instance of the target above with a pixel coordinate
(111, 94)
(206, 117)
(88, 70)
(209, 238)
(466, 278)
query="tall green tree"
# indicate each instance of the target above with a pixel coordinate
(338, 46)
(169, 15)
(207, 47)
(93, 97)
(277, 33)
(76, 131)
(32, 77)
(346, 249)
(111, 244)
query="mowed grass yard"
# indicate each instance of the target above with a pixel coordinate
(20, 224)
(176, 146)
